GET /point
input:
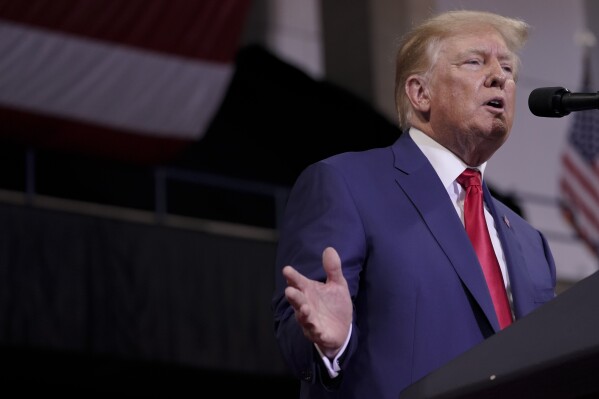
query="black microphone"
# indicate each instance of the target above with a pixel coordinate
(555, 102)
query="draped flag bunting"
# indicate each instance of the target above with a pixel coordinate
(579, 180)
(135, 80)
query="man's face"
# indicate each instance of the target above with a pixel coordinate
(472, 94)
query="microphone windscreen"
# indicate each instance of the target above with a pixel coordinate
(545, 101)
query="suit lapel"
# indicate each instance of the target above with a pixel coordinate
(520, 281)
(417, 178)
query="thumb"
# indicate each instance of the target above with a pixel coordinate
(331, 263)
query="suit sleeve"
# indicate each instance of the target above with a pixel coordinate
(320, 212)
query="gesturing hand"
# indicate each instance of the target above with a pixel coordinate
(324, 310)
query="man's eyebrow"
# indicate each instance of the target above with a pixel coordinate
(503, 56)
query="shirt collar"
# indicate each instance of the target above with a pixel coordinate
(447, 165)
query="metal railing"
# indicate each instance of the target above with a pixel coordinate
(161, 213)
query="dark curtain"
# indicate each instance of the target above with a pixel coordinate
(130, 291)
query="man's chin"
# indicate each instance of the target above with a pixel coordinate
(499, 129)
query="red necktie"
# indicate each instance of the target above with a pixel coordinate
(476, 227)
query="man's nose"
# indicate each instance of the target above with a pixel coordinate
(496, 75)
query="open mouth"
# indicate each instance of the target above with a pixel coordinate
(496, 103)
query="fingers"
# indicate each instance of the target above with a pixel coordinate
(296, 282)
(323, 310)
(294, 278)
(295, 298)
(332, 265)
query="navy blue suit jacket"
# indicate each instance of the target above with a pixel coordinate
(420, 298)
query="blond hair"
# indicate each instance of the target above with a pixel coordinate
(419, 47)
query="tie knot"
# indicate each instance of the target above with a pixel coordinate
(469, 177)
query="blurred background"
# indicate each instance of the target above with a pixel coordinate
(147, 148)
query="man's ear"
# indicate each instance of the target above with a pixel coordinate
(418, 93)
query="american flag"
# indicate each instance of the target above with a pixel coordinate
(579, 179)
(135, 80)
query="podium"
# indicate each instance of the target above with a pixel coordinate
(553, 352)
